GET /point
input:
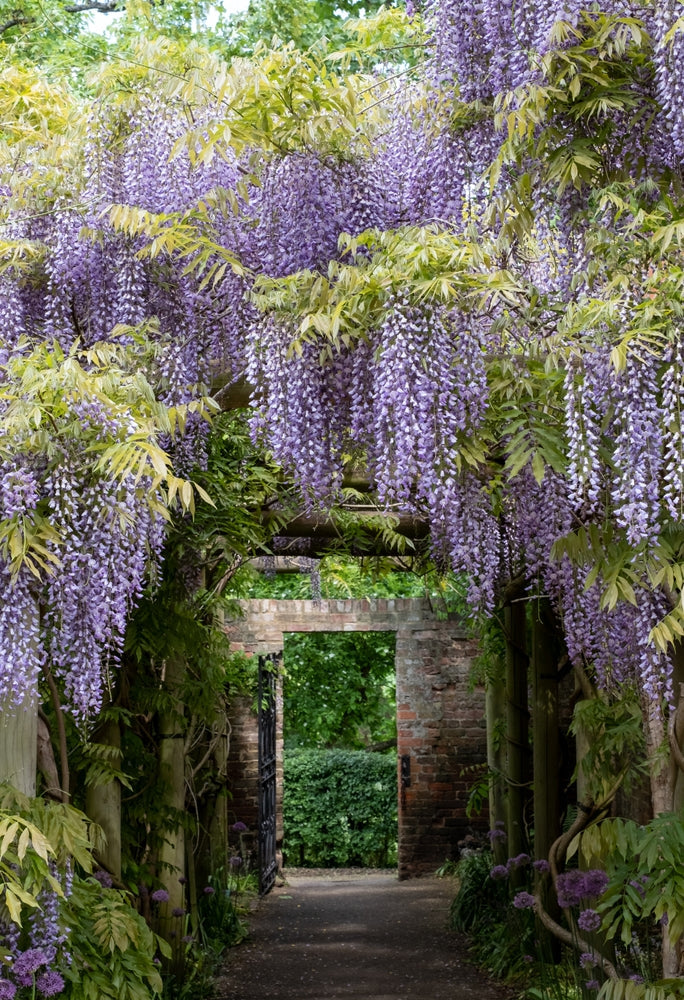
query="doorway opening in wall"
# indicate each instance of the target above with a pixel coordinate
(340, 759)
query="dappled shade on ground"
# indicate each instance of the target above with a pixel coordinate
(342, 934)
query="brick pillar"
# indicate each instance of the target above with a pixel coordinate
(441, 731)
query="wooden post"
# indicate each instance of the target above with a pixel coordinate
(19, 732)
(103, 804)
(19, 744)
(545, 741)
(517, 742)
(171, 855)
(495, 709)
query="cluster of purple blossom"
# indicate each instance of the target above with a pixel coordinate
(47, 938)
(413, 388)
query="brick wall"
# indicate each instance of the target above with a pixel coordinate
(440, 721)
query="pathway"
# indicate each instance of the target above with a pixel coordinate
(343, 935)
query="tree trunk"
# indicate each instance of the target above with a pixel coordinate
(517, 743)
(103, 804)
(545, 741)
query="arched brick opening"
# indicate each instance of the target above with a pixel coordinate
(440, 719)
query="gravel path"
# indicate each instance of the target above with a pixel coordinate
(342, 934)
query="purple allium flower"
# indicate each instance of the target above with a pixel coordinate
(589, 920)
(528, 958)
(570, 888)
(187, 939)
(49, 983)
(27, 963)
(523, 901)
(208, 890)
(104, 878)
(182, 880)
(634, 978)
(160, 896)
(586, 960)
(178, 911)
(542, 866)
(497, 836)
(592, 984)
(498, 871)
(235, 862)
(239, 827)
(7, 990)
(595, 883)
(518, 861)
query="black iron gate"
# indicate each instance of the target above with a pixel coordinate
(268, 673)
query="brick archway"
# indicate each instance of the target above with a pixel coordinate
(440, 720)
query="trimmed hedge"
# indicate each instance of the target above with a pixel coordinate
(340, 809)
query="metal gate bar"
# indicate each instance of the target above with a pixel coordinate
(266, 841)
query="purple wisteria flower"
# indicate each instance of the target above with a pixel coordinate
(589, 920)
(523, 901)
(640, 884)
(49, 983)
(159, 896)
(498, 872)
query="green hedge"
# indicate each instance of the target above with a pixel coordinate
(340, 809)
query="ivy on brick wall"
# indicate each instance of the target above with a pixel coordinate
(340, 809)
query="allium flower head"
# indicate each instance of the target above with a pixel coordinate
(208, 890)
(235, 862)
(239, 827)
(586, 960)
(497, 836)
(160, 896)
(49, 983)
(498, 872)
(542, 866)
(523, 901)
(595, 883)
(589, 920)
(570, 888)
(519, 861)
(7, 989)
(28, 962)
(178, 911)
